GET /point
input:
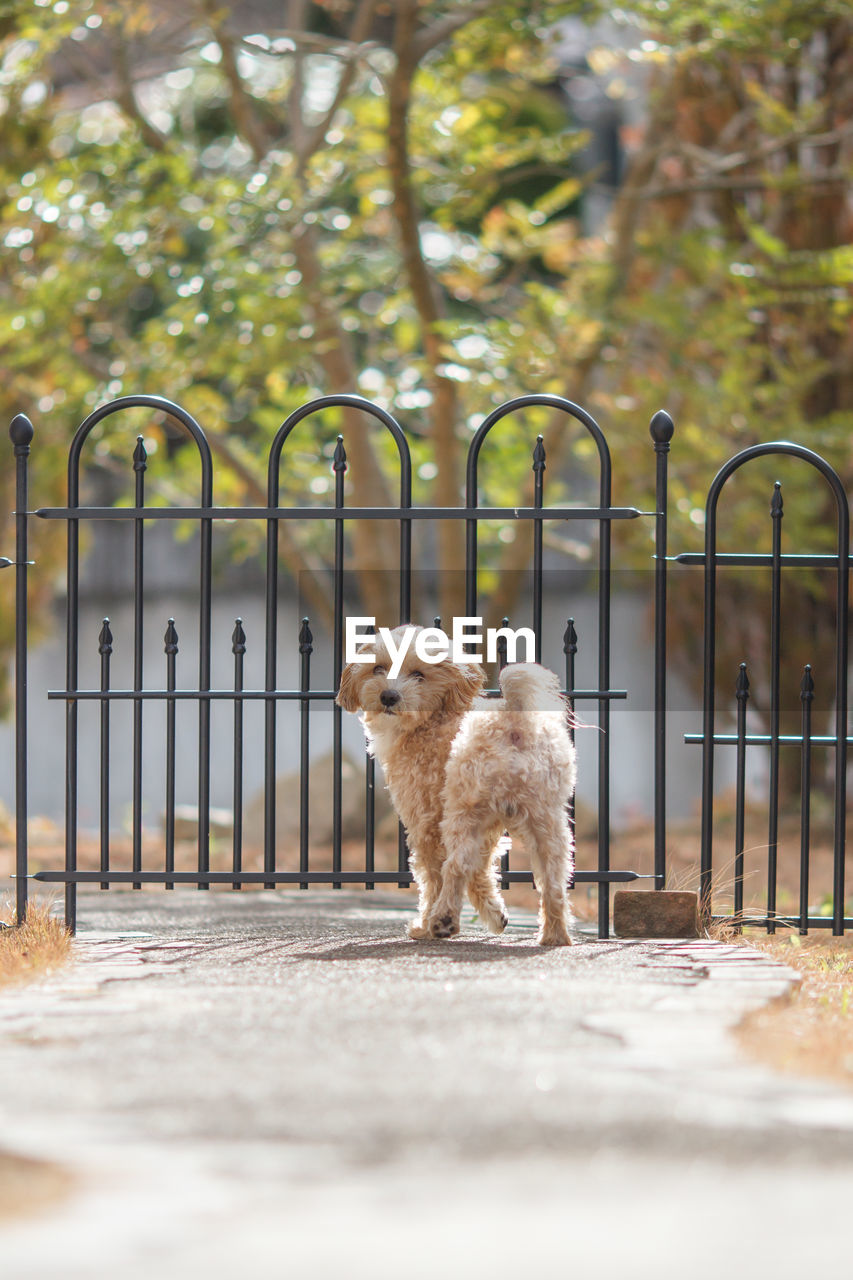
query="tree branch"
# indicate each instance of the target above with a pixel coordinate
(770, 182)
(242, 103)
(126, 96)
(443, 28)
(359, 30)
(296, 16)
(428, 304)
(313, 42)
(295, 556)
(374, 552)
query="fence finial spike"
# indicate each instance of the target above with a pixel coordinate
(339, 461)
(306, 639)
(539, 455)
(105, 639)
(140, 455)
(171, 637)
(21, 431)
(742, 686)
(776, 501)
(661, 429)
(570, 637)
(807, 684)
(238, 638)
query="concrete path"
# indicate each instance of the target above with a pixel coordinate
(282, 1085)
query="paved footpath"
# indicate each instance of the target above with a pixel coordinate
(282, 1085)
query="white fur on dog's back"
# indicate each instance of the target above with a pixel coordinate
(519, 740)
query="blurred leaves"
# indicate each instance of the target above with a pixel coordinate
(174, 222)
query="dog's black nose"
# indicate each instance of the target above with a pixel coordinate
(389, 697)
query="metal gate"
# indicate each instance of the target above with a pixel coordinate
(806, 742)
(293, 865)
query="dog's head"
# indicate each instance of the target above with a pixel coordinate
(421, 691)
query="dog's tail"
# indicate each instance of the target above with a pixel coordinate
(528, 687)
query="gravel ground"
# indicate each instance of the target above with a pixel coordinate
(282, 1084)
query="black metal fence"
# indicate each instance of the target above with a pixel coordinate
(293, 865)
(806, 741)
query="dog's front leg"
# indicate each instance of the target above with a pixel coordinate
(425, 863)
(443, 920)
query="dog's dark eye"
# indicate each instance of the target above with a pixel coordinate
(379, 670)
(417, 675)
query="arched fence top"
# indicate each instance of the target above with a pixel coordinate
(546, 401)
(161, 405)
(340, 401)
(784, 448)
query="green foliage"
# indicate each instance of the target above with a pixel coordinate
(212, 215)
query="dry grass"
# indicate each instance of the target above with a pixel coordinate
(810, 1033)
(41, 945)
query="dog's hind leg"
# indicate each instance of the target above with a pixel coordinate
(469, 864)
(549, 841)
(484, 892)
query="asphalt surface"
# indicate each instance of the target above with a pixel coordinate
(281, 1084)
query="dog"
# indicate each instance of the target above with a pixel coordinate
(462, 769)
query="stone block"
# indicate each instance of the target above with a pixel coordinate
(663, 914)
(320, 782)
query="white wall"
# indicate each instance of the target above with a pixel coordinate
(631, 733)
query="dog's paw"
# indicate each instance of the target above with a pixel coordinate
(418, 931)
(444, 926)
(554, 935)
(495, 919)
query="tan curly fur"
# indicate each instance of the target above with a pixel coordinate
(461, 769)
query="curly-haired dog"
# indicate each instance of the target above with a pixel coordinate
(461, 770)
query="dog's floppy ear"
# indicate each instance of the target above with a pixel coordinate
(464, 683)
(349, 690)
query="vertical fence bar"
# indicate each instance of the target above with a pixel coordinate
(21, 434)
(570, 649)
(238, 648)
(369, 810)
(604, 708)
(72, 623)
(742, 696)
(405, 543)
(139, 467)
(661, 429)
(775, 699)
(170, 647)
(306, 648)
(204, 642)
(405, 616)
(807, 698)
(471, 549)
(504, 843)
(709, 642)
(841, 671)
(502, 645)
(538, 498)
(105, 648)
(339, 466)
(270, 675)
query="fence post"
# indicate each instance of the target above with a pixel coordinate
(661, 430)
(21, 434)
